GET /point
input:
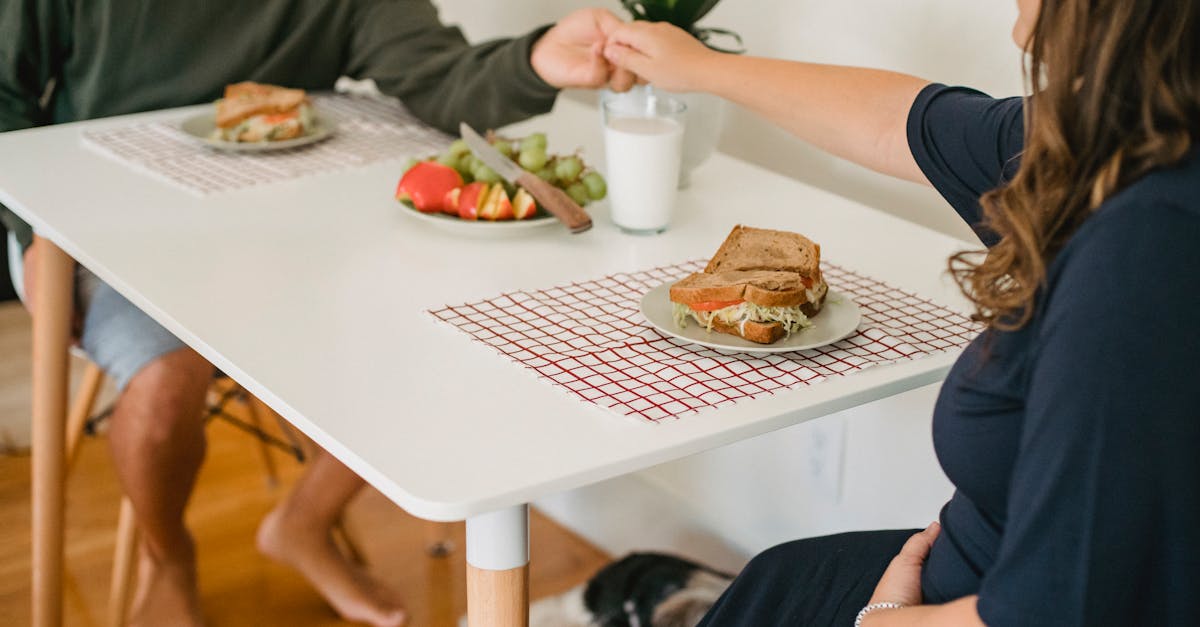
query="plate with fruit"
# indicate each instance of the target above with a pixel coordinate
(456, 191)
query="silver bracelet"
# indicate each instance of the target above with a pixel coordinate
(886, 605)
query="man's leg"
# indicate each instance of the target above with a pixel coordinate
(157, 442)
(298, 533)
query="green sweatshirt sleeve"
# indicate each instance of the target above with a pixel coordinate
(32, 47)
(443, 80)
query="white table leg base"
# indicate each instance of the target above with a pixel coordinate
(498, 568)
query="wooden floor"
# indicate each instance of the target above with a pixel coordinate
(238, 586)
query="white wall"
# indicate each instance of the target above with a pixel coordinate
(951, 41)
(726, 504)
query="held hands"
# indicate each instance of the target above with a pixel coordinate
(658, 53)
(901, 582)
(571, 53)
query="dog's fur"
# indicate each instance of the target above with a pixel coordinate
(640, 590)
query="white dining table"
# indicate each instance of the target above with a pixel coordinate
(312, 294)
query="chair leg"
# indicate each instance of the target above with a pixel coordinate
(439, 538)
(123, 566)
(81, 409)
(264, 449)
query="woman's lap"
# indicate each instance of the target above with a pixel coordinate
(813, 582)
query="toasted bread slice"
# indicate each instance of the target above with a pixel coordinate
(759, 332)
(762, 287)
(247, 99)
(748, 248)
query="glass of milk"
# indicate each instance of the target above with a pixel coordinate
(643, 143)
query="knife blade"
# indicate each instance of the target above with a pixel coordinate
(551, 198)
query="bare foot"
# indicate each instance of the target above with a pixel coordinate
(353, 593)
(166, 593)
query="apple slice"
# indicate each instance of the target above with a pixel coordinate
(471, 199)
(523, 205)
(425, 185)
(450, 202)
(497, 206)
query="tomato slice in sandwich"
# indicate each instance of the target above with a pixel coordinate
(280, 118)
(713, 305)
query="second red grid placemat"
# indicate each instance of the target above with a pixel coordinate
(591, 339)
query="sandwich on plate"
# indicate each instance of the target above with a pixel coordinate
(254, 112)
(762, 285)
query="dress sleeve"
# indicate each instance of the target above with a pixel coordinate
(33, 44)
(443, 80)
(967, 143)
(1103, 523)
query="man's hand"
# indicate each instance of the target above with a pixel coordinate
(571, 54)
(901, 582)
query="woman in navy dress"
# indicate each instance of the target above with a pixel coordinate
(1071, 426)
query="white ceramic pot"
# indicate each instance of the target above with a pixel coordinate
(705, 121)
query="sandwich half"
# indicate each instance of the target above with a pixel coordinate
(254, 112)
(762, 285)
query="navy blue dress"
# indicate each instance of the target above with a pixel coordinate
(1073, 443)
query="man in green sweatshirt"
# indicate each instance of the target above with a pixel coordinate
(62, 61)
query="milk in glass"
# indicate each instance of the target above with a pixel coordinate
(643, 142)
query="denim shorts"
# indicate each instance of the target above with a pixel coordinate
(118, 336)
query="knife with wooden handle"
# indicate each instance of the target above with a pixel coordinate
(551, 198)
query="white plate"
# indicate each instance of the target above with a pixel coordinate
(480, 227)
(201, 127)
(838, 319)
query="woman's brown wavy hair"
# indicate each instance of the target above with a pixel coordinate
(1115, 93)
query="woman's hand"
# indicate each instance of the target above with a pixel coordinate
(570, 54)
(901, 582)
(658, 53)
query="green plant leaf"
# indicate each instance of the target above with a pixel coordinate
(691, 11)
(682, 13)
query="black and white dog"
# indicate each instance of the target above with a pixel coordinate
(640, 590)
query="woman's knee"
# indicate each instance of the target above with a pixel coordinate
(777, 559)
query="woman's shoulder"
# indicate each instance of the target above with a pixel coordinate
(1157, 214)
(1139, 251)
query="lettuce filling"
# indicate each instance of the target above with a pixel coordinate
(792, 319)
(267, 131)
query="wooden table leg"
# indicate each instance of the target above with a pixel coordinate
(498, 568)
(53, 301)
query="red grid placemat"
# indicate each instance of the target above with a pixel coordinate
(369, 129)
(591, 339)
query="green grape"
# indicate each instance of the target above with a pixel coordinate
(532, 159)
(449, 159)
(469, 162)
(597, 188)
(579, 193)
(546, 174)
(458, 148)
(568, 168)
(485, 174)
(505, 147)
(537, 140)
